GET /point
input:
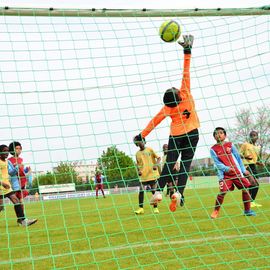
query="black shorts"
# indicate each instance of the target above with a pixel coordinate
(7, 195)
(252, 169)
(151, 183)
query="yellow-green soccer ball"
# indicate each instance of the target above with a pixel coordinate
(169, 31)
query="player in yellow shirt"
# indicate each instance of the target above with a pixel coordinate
(147, 165)
(249, 152)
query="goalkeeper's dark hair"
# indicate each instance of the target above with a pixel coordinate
(219, 128)
(171, 97)
(12, 147)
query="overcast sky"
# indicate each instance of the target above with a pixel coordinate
(71, 87)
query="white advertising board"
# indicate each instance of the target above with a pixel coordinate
(57, 188)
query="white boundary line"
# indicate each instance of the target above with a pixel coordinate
(116, 248)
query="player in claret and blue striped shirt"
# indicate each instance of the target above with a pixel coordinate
(231, 171)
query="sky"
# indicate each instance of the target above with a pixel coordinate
(71, 87)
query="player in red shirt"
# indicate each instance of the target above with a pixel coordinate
(231, 171)
(18, 181)
(99, 180)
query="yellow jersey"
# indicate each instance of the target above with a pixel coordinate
(250, 153)
(4, 177)
(146, 162)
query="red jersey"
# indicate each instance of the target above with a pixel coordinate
(225, 156)
(21, 173)
(98, 179)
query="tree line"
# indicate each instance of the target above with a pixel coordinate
(120, 169)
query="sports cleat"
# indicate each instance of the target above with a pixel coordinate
(249, 213)
(175, 201)
(215, 214)
(140, 211)
(27, 222)
(156, 198)
(156, 211)
(254, 204)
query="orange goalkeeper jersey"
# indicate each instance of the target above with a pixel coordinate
(184, 116)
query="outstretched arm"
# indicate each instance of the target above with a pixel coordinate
(187, 45)
(185, 86)
(154, 122)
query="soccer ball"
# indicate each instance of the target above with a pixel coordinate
(158, 197)
(169, 31)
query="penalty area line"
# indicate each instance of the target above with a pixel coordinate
(132, 246)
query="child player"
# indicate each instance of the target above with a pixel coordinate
(179, 105)
(249, 152)
(147, 165)
(230, 171)
(99, 180)
(6, 191)
(19, 180)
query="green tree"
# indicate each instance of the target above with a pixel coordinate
(117, 167)
(44, 179)
(247, 121)
(63, 173)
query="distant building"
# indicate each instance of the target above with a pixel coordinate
(86, 172)
(202, 162)
(35, 173)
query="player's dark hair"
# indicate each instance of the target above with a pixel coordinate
(2, 146)
(139, 138)
(12, 147)
(253, 131)
(171, 97)
(217, 129)
(98, 172)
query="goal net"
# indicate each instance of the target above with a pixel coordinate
(77, 86)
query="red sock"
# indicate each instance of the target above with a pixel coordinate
(219, 201)
(246, 200)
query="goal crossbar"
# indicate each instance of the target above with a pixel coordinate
(51, 12)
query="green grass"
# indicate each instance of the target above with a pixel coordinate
(105, 234)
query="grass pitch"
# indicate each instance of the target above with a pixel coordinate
(106, 234)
